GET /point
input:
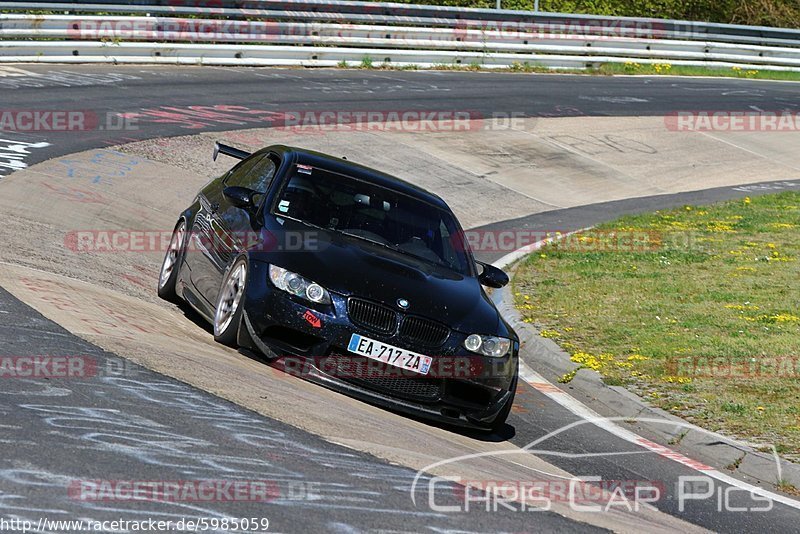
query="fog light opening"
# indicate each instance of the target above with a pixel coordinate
(451, 412)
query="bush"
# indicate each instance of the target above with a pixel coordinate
(780, 13)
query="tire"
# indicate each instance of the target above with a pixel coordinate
(173, 259)
(230, 303)
(500, 421)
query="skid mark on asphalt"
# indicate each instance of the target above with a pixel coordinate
(273, 457)
(6, 72)
(202, 117)
(16, 78)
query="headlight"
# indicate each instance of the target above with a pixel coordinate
(496, 347)
(298, 286)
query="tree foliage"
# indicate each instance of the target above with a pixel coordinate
(780, 13)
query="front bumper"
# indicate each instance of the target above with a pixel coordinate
(462, 388)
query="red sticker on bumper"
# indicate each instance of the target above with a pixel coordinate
(312, 319)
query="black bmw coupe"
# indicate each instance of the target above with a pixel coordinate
(351, 278)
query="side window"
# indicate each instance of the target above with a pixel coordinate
(256, 175)
(240, 171)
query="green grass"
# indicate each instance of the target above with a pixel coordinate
(700, 283)
(610, 69)
(789, 488)
(680, 70)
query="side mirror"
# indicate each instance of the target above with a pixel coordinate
(241, 197)
(492, 276)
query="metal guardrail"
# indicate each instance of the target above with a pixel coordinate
(329, 32)
(446, 14)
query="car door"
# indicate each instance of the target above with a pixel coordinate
(232, 227)
(204, 258)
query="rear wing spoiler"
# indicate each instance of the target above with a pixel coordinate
(219, 148)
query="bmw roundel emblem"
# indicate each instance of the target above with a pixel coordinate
(403, 304)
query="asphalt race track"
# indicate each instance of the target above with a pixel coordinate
(137, 424)
(132, 423)
(128, 89)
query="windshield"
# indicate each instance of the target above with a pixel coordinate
(373, 213)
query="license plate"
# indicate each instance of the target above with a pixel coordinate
(382, 352)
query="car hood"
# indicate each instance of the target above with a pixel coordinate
(354, 267)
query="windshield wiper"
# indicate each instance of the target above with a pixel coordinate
(368, 240)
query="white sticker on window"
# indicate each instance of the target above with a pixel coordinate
(283, 206)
